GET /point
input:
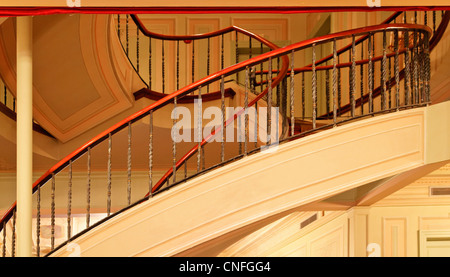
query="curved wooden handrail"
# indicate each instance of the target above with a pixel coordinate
(279, 52)
(282, 52)
(153, 107)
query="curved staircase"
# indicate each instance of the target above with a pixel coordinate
(287, 123)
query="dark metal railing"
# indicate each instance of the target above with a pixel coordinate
(100, 158)
(146, 49)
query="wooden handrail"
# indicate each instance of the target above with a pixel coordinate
(282, 52)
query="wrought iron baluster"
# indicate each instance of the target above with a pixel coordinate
(261, 71)
(339, 88)
(389, 86)
(222, 57)
(371, 74)
(434, 22)
(108, 200)
(52, 237)
(193, 61)
(303, 96)
(69, 203)
(353, 77)
(425, 18)
(327, 91)
(13, 248)
(222, 102)
(246, 127)
(127, 37)
(314, 87)
(427, 68)
(236, 47)
(292, 92)
(129, 165)
(174, 141)
(150, 154)
(407, 83)
(163, 64)
(4, 240)
(361, 73)
(255, 135)
(149, 63)
(416, 70)
(383, 75)
(178, 64)
(38, 222)
(137, 50)
(269, 104)
(335, 86)
(208, 58)
(396, 71)
(199, 128)
(88, 190)
(118, 26)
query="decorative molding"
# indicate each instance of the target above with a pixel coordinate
(395, 236)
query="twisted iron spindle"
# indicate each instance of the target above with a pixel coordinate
(193, 61)
(150, 154)
(314, 87)
(269, 104)
(222, 57)
(416, 69)
(236, 47)
(108, 201)
(426, 51)
(137, 50)
(383, 74)
(69, 203)
(303, 96)
(178, 64)
(222, 102)
(88, 189)
(127, 37)
(327, 90)
(361, 73)
(396, 71)
(434, 22)
(339, 87)
(407, 68)
(292, 86)
(208, 58)
(4, 240)
(14, 234)
(261, 71)
(389, 86)
(246, 127)
(199, 128)
(129, 165)
(371, 74)
(334, 84)
(174, 139)
(163, 65)
(53, 213)
(149, 63)
(38, 222)
(118, 25)
(353, 77)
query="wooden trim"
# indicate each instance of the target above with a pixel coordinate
(153, 95)
(11, 114)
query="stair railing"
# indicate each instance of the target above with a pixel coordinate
(200, 54)
(256, 134)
